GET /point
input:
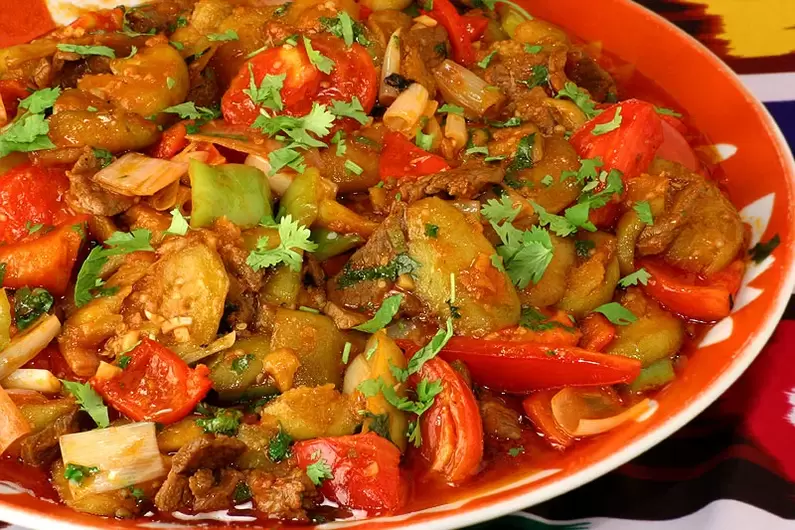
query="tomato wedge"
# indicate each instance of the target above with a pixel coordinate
(156, 385)
(12, 92)
(452, 431)
(46, 261)
(631, 147)
(29, 196)
(171, 142)
(353, 74)
(401, 158)
(300, 85)
(521, 367)
(444, 12)
(597, 332)
(365, 469)
(704, 299)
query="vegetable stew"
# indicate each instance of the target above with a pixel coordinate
(304, 260)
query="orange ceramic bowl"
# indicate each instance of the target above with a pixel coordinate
(759, 175)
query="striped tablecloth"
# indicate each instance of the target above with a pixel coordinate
(732, 468)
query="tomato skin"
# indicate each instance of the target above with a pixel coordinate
(444, 12)
(520, 367)
(353, 74)
(597, 331)
(45, 261)
(675, 147)
(706, 300)
(365, 468)
(12, 92)
(31, 194)
(156, 385)
(401, 158)
(452, 430)
(300, 84)
(631, 147)
(171, 142)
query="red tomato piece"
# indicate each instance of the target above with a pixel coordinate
(156, 385)
(475, 26)
(597, 332)
(452, 431)
(46, 261)
(444, 12)
(693, 297)
(31, 195)
(520, 367)
(353, 73)
(401, 158)
(12, 92)
(538, 408)
(299, 88)
(631, 147)
(365, 469)
(171, 142)
(675, 147)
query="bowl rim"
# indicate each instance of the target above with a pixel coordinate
(464, 516)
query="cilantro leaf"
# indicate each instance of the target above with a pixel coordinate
(639, 276)
(319, 470)
(227, 35)
(279, 446)
(667, 112)
(535, 320)
(268, 93)
(523, 157)
(424, 141)
(89, 401)
(609, 126)
(104, 156)
(616, 313)
(29, 305)
(241, 364)
(525, 254)
(286, 157)
(344, 27)
(77, 474)
(189, 111)
(354, 110)
(339, 140)
(103, 51)
(516, 451)
(561, 226)
(25, 135)
(643, 209)
(510, 122)
(540, 76)
(584, 247)
(533, 49)
(484, 63)
(292, 236)
(88, 276)
(431, 230)
(127, 242)
(223, 421)
(451, 109)
(477, 150)
(242, 493)
(761, 251)
(499, 210)
(426, 353)
(179, 225)
(580, 98)
(321, 62)
(40, 100)
(389, 308)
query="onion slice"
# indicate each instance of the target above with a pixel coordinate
(224, 343)
(571, 412)
(27, 345)
(405, 112)
(33, 379)
(387, 93)
(13, 424)
(462, 87)
(135, 174)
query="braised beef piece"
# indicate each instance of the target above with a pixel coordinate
(586, 73)
(464, 182)
(422, 49)
(42, 448)
(499, 419)
(284, 492)
(201, 476)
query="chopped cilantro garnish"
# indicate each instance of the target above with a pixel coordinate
(616, 313)
(292, 237)
(639, 276)
(612, 125)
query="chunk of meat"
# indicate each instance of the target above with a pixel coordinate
(586, 73)
(347, 290)
(465, 182)
(422, 49)
(209, 451)
(282, 493)
(211, 494)
(85, 196)
(499, 419)
(191, 482)
(41, 448)
(700, 230)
